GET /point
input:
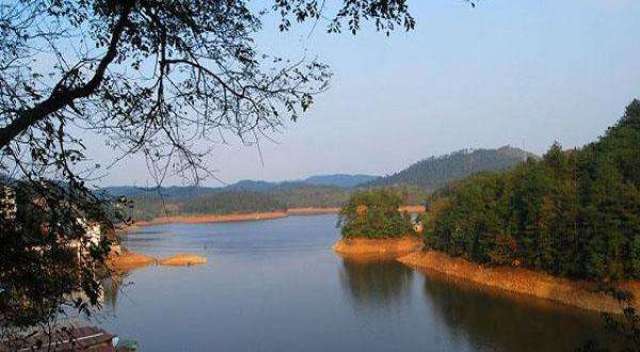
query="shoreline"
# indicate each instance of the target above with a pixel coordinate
(579, 294)
(255, 216)
(208, 218)
(383, 248)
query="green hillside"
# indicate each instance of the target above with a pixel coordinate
(574, 213)
(432, 173)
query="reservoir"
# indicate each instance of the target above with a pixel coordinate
(276, 285)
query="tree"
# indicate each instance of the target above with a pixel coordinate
(374, 213)
(151, 77)
(574, 213)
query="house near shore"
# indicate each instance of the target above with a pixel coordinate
(9, 208)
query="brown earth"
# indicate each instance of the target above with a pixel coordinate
(364, 248)
(127, 260)
(575, 293)
(183, 259)
(412, 208)
(312, 211)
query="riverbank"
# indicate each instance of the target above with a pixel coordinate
(522, 281)
(256, 216)
(312, 211)
(364, 248)
(207, 218)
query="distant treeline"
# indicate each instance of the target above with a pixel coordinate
(149, 206)
(413, 185)
(574, 213)
(154, 204)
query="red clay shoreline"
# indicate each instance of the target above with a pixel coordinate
(580, 294)
(384, 248)
(125, 260)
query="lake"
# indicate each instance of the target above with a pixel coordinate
(277, 286)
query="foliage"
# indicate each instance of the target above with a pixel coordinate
(48, 260)
(222, 202)
(164, 79)
(374, 214)
(573, 213)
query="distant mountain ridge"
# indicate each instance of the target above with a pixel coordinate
(340, 180)
(434, 172)
(322, 191)
(177, 192)
(173, 192)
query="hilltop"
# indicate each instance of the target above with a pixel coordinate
(434, 172)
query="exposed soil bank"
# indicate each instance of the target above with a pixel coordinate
(364, 248)
(183, 259)
(124, 260)
(412, 208)
(312, 211)
(575, 293)
(127, 260)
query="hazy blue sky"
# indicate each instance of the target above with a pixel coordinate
(507, 72)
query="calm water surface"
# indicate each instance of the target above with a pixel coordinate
(277, 286)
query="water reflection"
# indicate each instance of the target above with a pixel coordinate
(375, 283)
(111, 288)
(497, 321)
(276, 286)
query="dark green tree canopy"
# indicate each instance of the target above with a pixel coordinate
(574, 213)
(374, 213)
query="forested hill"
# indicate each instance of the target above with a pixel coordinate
(573, 213)
(185, 192)
(435, 172)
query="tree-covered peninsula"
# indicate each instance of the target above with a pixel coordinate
(575, 213)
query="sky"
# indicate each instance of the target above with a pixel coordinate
(523, 73)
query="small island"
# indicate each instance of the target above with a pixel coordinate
(124, 260)
(373, 226)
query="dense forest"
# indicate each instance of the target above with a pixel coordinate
(152, 205)
(433, 173)
(574, 213)
(374, 214)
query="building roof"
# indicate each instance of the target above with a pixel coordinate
(89, 338)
